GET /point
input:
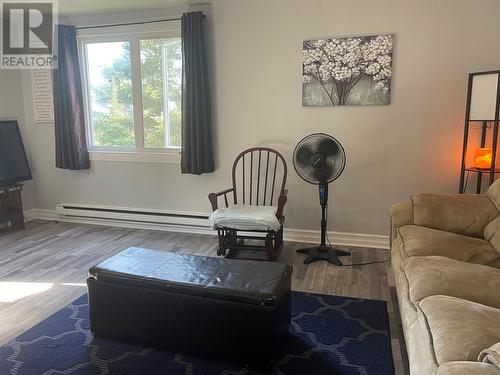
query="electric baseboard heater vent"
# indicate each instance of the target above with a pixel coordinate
(192, 219)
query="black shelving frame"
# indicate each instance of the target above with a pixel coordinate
(485, 124)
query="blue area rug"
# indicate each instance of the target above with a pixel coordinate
(329, 335)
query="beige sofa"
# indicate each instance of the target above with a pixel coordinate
(446, 263)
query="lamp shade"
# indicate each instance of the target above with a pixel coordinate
(484, 97)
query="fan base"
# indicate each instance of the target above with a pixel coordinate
(323, 253)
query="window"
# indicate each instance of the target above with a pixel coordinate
(111, 108)
(132, 86)
(161, 69)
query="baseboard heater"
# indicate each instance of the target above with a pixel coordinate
(134, 215)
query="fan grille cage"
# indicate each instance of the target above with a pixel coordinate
(314, 144)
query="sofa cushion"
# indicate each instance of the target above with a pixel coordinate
(459, 213)
(491, 355)
(246, 217)
(422, 241)
(492, 233)
(494, 193)
(467, 368)
(428, 276)
(458, 329)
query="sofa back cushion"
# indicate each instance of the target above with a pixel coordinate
(457, 213)
(492, 230)
(417, 241)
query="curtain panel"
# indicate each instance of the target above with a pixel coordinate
(197, 148)
(71, 141)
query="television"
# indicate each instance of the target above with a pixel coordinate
(14, 166)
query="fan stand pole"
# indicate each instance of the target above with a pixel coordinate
(323, 252)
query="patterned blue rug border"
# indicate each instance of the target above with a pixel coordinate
(329, 335)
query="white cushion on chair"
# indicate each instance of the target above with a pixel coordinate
(246, 217)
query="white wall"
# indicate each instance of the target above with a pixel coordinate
(413, 144)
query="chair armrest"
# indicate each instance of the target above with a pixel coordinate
(281, 204)
(466, 214)
(400, 214)
(213, 197)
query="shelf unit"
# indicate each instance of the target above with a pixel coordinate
(483, 100)
(11, 206)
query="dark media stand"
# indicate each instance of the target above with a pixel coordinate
(11, 206)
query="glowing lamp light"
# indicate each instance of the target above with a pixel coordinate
(482, 158)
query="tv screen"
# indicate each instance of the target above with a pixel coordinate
(14, 166)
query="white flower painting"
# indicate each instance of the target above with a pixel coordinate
(347, 71)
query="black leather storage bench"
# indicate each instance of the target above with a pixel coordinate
(192, 304)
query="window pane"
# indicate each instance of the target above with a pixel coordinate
(161, 68)
(110, 83)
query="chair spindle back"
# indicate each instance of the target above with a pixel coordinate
(259, 176)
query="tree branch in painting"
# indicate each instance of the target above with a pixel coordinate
(339, 65)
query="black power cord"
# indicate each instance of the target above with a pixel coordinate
(354, 264)
(367, 263)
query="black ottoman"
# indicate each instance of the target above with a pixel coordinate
(198, 305)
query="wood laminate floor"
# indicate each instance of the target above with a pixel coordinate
(45, 267)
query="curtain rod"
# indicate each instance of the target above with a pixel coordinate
(127, 24)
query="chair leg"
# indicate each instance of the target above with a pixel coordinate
(277, 244)
(270, 253)
(222, 243)
(279, 240)
(229, 243)
(233, 237)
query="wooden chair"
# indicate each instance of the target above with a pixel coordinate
(259, 176)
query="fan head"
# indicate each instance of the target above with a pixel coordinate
(319, 158)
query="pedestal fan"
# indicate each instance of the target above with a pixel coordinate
(320, 159)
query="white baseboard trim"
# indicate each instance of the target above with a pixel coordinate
(294, 235)
(338, 238)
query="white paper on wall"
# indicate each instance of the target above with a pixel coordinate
(43, 101)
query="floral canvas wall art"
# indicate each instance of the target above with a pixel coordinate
(347, 71)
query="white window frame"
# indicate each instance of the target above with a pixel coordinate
(132, 34)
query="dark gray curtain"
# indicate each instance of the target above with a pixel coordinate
(197, 150)
(71, 142)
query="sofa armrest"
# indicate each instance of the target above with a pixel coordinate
(400, 214)
(466, 214)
